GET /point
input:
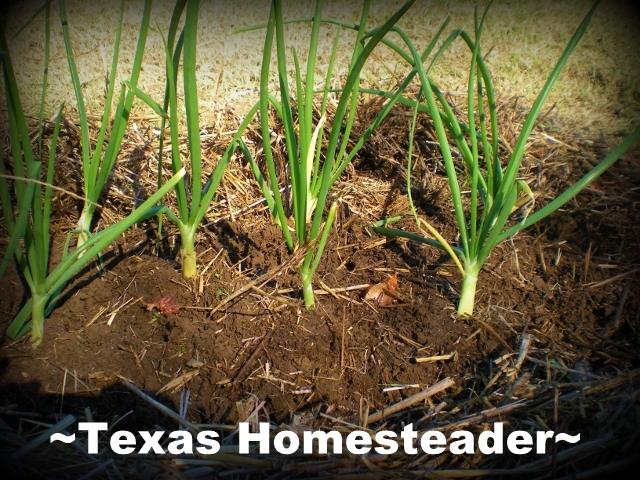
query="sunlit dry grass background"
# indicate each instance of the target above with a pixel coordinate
(599, 89)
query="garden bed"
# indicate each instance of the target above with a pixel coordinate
(245, 348)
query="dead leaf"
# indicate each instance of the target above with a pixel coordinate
(164, 305)
(384, 293)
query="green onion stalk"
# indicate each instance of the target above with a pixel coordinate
(27, 210)
(311, 171)
(495, 189)
(97, 166)
(191, 208)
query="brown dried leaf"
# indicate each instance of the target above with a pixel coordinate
(164, 305)
(382, 293)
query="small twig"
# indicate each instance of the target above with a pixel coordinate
(96, 316)
(350, 425)
(167, 411)
(587, 261)
(125, 305)
(330, 291)
(517, 262)
(405, 339)
(562, 369)
(45, 436)
(485, 415)
(327, 289)
(612, 279)
(435, 358)
(623, 299)
(132, 352)
(495, 334)
(259, 291)
(524, 350)
(53, 187)
(604, 350)
(541, 257)
(622, 348)
(240, 212)
(400, 387)
(344, 315)
(238, 376)
(258, 282)
(179, 382)
(64, 386)
(412, 400)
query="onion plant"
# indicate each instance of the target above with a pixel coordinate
(27, 209)
(192, 206)
(495, 189)
(97, 166)
(312, 170)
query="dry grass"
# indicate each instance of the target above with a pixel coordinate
(599, 89)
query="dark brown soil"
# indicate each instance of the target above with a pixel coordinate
(341, 352)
